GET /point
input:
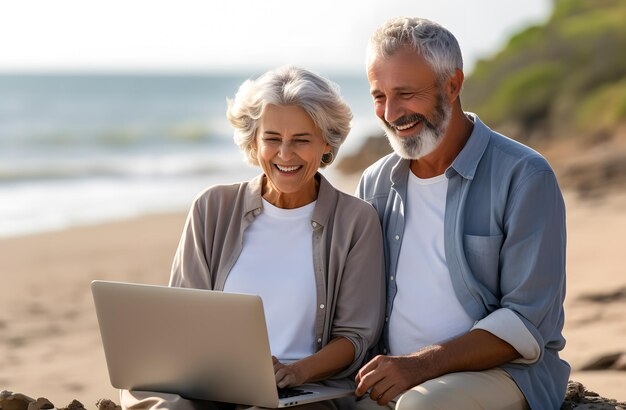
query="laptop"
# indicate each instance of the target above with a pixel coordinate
(200, 344)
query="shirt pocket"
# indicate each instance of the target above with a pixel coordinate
(483, 255)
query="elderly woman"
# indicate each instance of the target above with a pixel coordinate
(313, 253)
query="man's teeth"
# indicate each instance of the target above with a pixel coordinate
(287, 169)
(406, 126)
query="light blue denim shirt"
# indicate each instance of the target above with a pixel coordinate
(504, 239)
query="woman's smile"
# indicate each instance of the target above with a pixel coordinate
(288, 169)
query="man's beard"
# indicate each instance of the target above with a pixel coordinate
(425, 141)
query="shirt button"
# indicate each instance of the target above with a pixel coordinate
(387, 319)
(391, 277)
(319, 340)
(385, 351)
(397, 237)
(314, 224)
(322, 306)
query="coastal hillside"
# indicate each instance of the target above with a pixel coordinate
(565, 77)
(559, 87)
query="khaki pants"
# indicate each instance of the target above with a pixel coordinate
(486, 390)
(144, 400)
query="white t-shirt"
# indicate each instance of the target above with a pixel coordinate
(276, 263)
(425, 309)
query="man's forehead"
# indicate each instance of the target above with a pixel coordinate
(403, 64)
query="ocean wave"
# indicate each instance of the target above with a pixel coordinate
(127, 165)
(43, 205)
(184, 133)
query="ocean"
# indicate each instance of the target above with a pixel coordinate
(89, 148)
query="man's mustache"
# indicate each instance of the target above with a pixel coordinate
(407, 119)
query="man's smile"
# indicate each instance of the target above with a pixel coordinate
(406, 126)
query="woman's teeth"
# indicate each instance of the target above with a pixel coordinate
(287, 169)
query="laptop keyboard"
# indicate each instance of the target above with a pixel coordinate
(286, 393)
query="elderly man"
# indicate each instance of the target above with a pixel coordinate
(474, 228)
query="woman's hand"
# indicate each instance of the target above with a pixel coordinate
(332, 358)
(288, 375)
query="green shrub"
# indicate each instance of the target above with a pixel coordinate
(603, 109)
(571, 66)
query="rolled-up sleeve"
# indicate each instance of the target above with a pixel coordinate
(532, 267)
(506, 325)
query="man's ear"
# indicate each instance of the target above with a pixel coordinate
(454, 85)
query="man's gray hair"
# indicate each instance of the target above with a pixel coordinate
(431, 40)
(289, 85)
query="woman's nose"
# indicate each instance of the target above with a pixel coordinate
(285, 151)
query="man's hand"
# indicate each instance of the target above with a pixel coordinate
(287, 375)
(388, 376)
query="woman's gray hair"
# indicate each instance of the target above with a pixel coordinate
(289, 85)
(431, 40)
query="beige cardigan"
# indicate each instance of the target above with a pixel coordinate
(347, 257)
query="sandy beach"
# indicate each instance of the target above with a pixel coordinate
(49, 340)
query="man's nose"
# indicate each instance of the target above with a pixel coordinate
(393, 110)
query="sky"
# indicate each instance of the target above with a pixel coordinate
(235, 35)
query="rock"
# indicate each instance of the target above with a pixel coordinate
(74, 405)
(618, 295)
(14, 401)
(41, 404)
(603, 362)
(18, 401)
(106, 404)
(620, 364)
(594, 176)
(372, 149)
(579, 398)
(575, 391)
